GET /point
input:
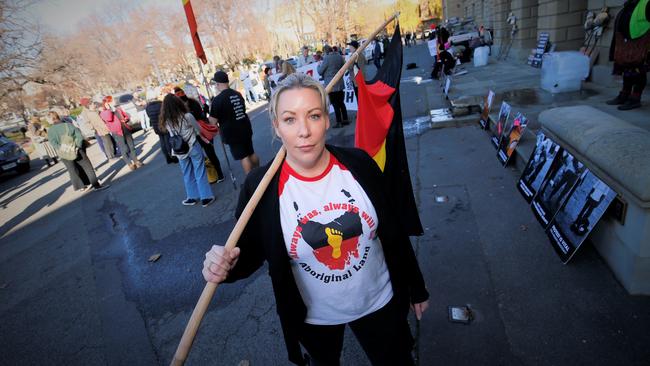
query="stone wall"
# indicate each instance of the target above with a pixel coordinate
(562, 19)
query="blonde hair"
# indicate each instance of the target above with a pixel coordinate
(297, 81)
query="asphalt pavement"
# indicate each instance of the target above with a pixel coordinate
(77, 286)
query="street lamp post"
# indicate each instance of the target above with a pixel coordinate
(149, 49)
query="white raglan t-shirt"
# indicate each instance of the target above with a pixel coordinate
(329, 227)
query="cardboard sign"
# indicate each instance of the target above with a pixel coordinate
(312, 70)
(579, 214)
(487, 106)
(564, 174)
(538, 166)
(504, 113)
(511, 137)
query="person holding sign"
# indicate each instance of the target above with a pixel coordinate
(336, 252)
(331, 64)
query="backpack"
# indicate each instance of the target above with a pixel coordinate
(176, 142)
(67, 148)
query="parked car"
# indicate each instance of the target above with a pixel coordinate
(127, 103)
(12, 157)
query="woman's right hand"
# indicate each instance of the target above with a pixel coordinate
(218, 263)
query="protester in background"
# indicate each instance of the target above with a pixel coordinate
(245, 78)
(277, 62)
(38, 135)
(305, 58)
(376, 54)
(153, 109)
(116, 121)
(80, 168)
(228, 111)
(327, 69)
(177, 121)
(287, 69)
(315, 309)
(267, 82)
(102, 134)
(318, 56)
(630, 51)
(207, 132)
(445, 64)
(358, 66)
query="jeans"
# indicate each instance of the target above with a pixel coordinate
(144, 120)
(194, 174)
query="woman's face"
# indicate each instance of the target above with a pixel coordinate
(301, 125)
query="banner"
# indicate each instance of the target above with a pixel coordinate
(582, 210)
(562, 177)
(538, 166)
(312, 70)
(511, 137)
(194, 33)
(485, 113)
(379, 132)
(504, 113)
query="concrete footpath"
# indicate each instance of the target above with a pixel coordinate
(76, 286)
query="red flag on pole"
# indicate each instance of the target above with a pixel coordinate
(379, 132)
(191, 21)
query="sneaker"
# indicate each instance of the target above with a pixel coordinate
(100, 188)
(138, 164)
(206, 202)
(132, 166)
(189, 202)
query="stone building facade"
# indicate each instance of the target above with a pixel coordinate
(562, 19)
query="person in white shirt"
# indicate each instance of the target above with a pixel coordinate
(336, 252)
(305, 58)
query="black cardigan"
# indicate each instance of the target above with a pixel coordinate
(262, 240)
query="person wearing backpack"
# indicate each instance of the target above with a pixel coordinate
(68, 142)
(116, 119)
(183, 128)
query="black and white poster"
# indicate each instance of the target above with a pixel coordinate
(485, 113)
(562, 177)
(504, 113)
(582, 210)
(510, 138)
(538, 166)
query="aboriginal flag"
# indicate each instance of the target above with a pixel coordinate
(191, 21)
(379, 131)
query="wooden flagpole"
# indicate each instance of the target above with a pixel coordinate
(208, 292)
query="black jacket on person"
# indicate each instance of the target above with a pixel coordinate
(262, 240)
(153, 112)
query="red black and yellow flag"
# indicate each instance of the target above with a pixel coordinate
(379, 131)
(191, 21)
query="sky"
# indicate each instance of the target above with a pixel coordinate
(62, 16)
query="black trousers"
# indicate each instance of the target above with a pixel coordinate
(164, 147)
(81, 171)
(127, 148)
(338, 103)
(384, 335)
(634, 83)
(208, 148)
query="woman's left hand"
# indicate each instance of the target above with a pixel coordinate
(420, 308)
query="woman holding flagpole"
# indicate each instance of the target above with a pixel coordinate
(336, 251)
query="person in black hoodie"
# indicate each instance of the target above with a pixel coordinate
(153, 112)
